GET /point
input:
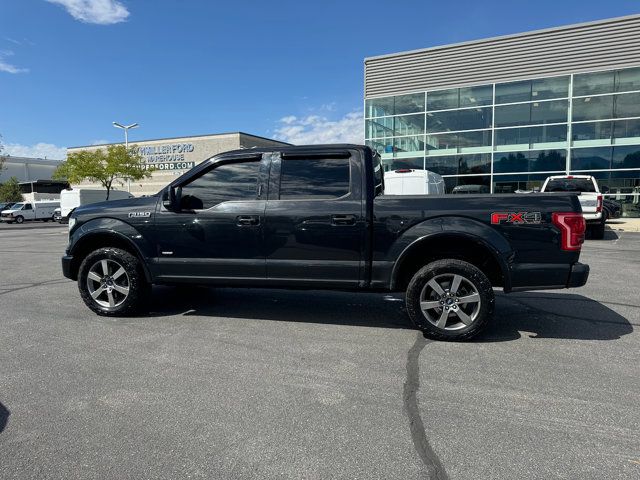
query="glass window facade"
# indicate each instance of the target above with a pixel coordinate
(511, 136)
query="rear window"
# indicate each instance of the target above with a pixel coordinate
(314, 178)
(570, 185)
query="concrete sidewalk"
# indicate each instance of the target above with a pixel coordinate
(624, 224)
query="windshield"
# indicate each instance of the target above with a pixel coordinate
(570, 185)
(17, 206)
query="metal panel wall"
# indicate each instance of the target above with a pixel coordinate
(583, 47)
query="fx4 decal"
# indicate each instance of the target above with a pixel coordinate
(516, 217)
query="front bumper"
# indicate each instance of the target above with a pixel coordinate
(66, 267)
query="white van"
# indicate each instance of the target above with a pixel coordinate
(72, 198)
(23, 211)
(407, 181)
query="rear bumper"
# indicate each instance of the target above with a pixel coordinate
(578, 275)
(548, 276)
(592, 217)
(66, 267)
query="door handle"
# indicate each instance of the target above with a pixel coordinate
(248, 220)
(343, 219)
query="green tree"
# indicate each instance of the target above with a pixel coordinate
(10, 191)
(103, 166)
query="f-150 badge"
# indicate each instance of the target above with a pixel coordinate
(516, 217)
(139, 214)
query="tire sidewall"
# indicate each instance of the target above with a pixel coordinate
(450, 266)
(138, 287)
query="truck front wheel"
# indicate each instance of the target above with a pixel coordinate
(450, 300)
(112, 283)
(19, 219)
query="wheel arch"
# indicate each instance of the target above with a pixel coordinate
(100, 239)
(450, 244)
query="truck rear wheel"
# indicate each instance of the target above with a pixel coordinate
(112, 283)
(450, 300)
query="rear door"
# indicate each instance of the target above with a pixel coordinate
(315, 223)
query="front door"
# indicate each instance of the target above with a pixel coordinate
(217, 235)
(315, 225)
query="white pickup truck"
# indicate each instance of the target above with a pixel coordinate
(590, 198)
(23, 211)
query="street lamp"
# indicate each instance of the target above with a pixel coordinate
(126, 142)
(126, 131)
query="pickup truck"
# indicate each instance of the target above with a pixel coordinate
(590, 198)
(316, 217)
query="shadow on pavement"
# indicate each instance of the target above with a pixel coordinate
(309, 306)
(553, 315)
(544, 315)
(4, 417)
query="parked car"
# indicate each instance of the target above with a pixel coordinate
(57, 216)
(470, 189)
(316, 217)
(590, 198)
(6, 206)
(407, 181)
(611, 209)
(27, 211)
(72, 198)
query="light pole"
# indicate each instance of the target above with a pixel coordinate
(126, 141)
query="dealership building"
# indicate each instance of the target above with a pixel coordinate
(508, 112)
(170, 157)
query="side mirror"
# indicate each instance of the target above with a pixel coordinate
(169, 199)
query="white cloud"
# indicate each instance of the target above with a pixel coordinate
(8, 67)
(101, 12)
(317, 129)
(38, 150)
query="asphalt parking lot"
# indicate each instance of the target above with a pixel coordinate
(233, 383)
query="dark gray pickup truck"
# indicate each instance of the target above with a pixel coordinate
(316, 217)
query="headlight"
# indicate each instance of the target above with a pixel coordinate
(72, 222)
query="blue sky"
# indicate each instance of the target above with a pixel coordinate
(286, 69)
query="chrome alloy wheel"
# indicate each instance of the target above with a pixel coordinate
(108, 283)
(450, 301)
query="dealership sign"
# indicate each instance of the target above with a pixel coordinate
(170, 156)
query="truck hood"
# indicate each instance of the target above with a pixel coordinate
(116, 205)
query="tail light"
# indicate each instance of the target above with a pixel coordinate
(599, 204)
(572, 227)
(404, 170)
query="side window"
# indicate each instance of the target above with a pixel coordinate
(228, 182)
(378, 175)
(314, 178)
(27, 206)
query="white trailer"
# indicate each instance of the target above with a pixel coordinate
(72, 198)
(26, 211)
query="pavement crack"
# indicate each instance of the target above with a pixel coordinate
(416, 425)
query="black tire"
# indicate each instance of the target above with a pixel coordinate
(19, 219)
(139, 290)
(597, 230)
(473, 282)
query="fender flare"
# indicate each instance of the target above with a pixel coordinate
(498, 247)
(106, 227)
